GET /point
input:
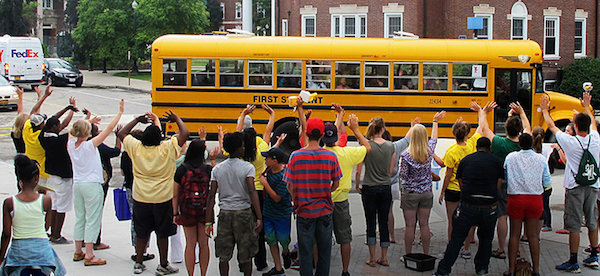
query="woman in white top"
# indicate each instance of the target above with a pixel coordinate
(24, 217)
(87, 186)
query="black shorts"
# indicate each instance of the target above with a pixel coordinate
(153, 217)
(452, 196)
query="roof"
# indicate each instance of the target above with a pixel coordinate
(384, 49)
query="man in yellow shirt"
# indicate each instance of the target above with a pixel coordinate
(348, 157)
(153, 168)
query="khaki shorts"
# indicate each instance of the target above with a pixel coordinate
(236, 228)
(62, 197)
(581, 201)
(342, 222)
(413, 201)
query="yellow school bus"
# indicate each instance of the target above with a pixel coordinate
(208, 79)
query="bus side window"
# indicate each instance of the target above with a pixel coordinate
(260, 73)
(377, 75)
(174, 72)
(406, 76)
(435, 76)
(231, 72)
(289, 74)
(469, 77)
(318, 74)
(203, 72)
(347, 75)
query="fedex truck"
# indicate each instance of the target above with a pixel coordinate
(22, 60)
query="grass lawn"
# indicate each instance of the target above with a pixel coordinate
(140, 76)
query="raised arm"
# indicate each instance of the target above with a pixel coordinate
(518, 109)
(38, 105)
(124, 131)
(184, 133)
(19, 91)
(483, 127)
(353, 125)
(339, 117)
(72, 108)
(221, 133)
(240, 122)
(96, 141)
(270, 124)
(545, 106)
(154, 118)
(586, 103)
(302, 118)
(436, 118)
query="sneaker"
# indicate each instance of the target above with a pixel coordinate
(138, 268)
(61, 240)
(166, 270)
(295, 264)
(592, 262)
(546, 229)
(465, 254)
(274, 272)
(569, 267)
(588, 250)
(287, 260)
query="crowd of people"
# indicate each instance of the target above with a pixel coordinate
(172, 188)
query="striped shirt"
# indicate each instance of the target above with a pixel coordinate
(311, 173)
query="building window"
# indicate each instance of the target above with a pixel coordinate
(47, 4)
(580, 37)
(349, 25)
(238, 10)
(284, 27)
(486, 31)
(392, 23)
(308, 25)
(551, 36)
(223, 10)
(518, 21)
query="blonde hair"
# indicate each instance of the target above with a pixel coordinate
(418, 147)
(81, 129)
(19, 124)
(375, 126)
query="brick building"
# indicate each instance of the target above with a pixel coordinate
(50, 23)
(565, 29)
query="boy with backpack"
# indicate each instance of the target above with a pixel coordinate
(581, 180)
(277, 210)
(233, 179)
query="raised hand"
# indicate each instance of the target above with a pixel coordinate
(438, 116)
(353, 122)
(221, 132)
(586, 100)
(280, 140)
(19, 91)
(202, 132)
(416, 120)
(267, 108)
(48, 91)
(475, 106)
(249, 109)
(214, 153)
(545, 103)
(338, 108)
(142, 119)
(122, 106)
(153, 117)
(516, 108)
(170, 116)
(490, 106)
(95, 120)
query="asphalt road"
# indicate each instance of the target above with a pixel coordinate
(103, 102)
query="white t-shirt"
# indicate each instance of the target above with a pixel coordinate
(573, 150)
(231, 177)
(86, 162)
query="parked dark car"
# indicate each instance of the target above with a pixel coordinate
(60, 72)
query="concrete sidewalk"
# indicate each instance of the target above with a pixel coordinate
(108, 80)
(117, 234)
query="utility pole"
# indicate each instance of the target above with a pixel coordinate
(247, 15)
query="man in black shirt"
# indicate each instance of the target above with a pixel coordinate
(480, 175)
(58, 166)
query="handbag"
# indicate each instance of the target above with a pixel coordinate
(122, 210)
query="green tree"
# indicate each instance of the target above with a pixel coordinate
(216, 15)
(262, 17)
(578, 72)
(12, 21)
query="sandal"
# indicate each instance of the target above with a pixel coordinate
(499, 254)
(101, 246)
(78, 256)
(383, 262)
(371, 263)
(90, 261)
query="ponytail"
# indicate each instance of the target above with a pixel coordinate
(538, 138)
(25, 168)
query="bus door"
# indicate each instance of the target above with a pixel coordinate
(511, 85)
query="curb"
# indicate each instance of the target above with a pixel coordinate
(119, 87)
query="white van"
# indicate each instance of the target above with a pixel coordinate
(22, 60)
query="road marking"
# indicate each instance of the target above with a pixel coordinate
(5, 134)
(109, 98)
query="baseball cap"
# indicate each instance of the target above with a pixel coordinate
(315, 123)
(247, 121)
(277, 154)
(330, 135)
(37, 119)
